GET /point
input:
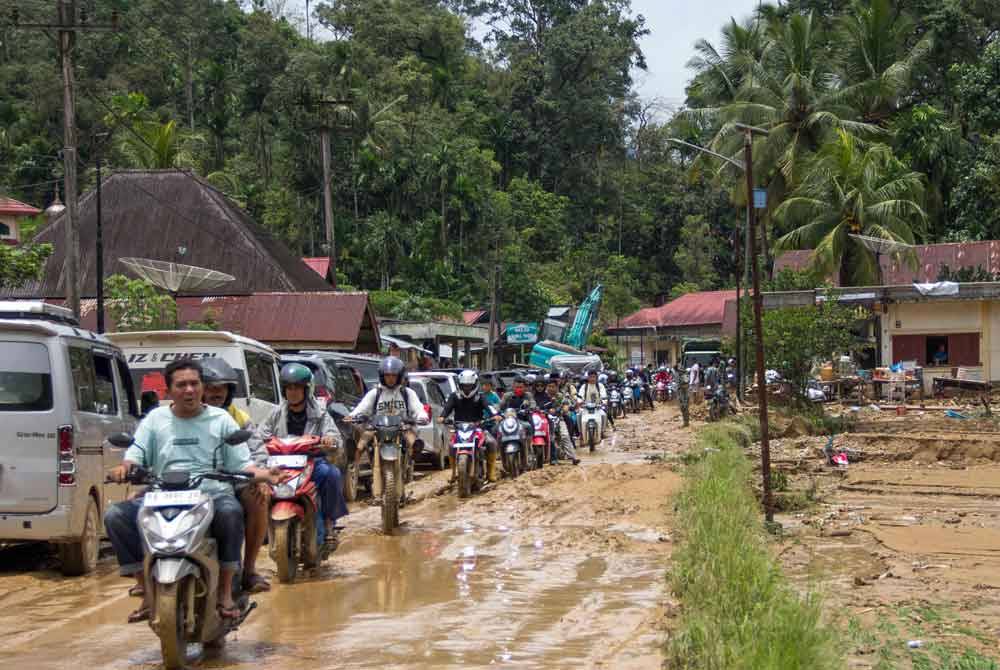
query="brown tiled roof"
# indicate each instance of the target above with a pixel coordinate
(153, 213)
(17, 208)
(693, 309)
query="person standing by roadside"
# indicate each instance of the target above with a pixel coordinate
(683, 399)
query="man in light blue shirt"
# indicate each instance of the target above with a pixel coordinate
(184, 437)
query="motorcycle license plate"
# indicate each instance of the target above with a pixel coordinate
(171, 498)
(287, 461)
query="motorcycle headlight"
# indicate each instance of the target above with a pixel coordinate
(175, 534)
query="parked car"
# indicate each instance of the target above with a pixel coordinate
(149, 352)
(447, 381)
(506, 377)
(63, 391)
(366, 366)
(434, 438)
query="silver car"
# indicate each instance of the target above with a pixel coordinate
(447, 382)
(63, 391)
(434, 438)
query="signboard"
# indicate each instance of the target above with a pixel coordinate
(522, 333)
(760, 198)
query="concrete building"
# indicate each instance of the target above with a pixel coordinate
(657, 334)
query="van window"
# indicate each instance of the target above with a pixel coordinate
(93, 381)
(419, 389)
(25, 377)
(260, 369)
(347, 383)
(130, 401)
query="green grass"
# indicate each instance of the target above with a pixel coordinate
(738, 611)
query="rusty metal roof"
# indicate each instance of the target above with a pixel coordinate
(318, 264)
(472, 317)
(930, 259)
(693, 309)
(17, 208)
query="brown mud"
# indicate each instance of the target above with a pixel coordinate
(905, 543)
(562, 568)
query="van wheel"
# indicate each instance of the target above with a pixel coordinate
(80, 557)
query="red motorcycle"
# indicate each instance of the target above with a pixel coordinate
(468, 448)
(541, 439)
(295, 530)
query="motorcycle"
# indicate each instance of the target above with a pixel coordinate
(590, 421)
(663, 391)
(720, 406)
(648, 394)
(541, 439)
(615, 400)
(513, 451)
(396, 460)
(468, 448)
(181, 568)
(296, 532)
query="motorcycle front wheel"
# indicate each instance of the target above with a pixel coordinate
(285, 535)
(464, 477)
(390, 497)
(171, 613)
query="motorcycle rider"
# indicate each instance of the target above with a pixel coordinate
(491, 396)
(516, 397)
(470, 406)
(300, 413)
(393, 398)
(184, 435)
(220, 381)
(593, 391)
(711, 378)
(602, 379)
(560, 405)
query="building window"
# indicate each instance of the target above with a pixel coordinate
(959, 349)
(5, 230)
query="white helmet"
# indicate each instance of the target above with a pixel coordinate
(602, 379)
(468, 383)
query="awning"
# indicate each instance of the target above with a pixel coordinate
(403, 344)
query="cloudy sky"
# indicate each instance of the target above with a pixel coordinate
(674, 26)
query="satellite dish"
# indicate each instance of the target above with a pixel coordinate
(879, 246)
(177, 277)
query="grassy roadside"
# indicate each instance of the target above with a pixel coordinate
(737, 610)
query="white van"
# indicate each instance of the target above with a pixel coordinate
(63, 391)
(149, 352)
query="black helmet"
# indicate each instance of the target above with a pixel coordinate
(391, 365)
(613, 377)
(518, 378)
(554, 378)
(216, 371)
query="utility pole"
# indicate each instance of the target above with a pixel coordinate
(99, 249)
(758, 305)
(331, 242)
(68, 26)
(494, 289)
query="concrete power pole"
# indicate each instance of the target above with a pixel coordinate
(67, 39)
(67, 26)
(331, 241)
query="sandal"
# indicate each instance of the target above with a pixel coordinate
(141, 614)
(136, 591)
(229, 612)
(256, 584)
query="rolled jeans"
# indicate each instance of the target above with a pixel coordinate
(331, 490)
(122, 524)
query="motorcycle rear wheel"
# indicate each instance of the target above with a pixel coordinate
(464, 477)
(592, 439)
(285, 535)
(351, 483)
(171, 610)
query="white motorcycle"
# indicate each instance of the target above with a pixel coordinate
(590, 425)
(181, 567)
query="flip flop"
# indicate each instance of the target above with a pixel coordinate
(141, 614)
(256, 584)
(229, 612)
(136, 591)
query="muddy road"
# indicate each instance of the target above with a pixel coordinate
(563, 568)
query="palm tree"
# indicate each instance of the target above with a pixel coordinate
(722, 71)
(851, 187)
(159, 146)
(879, 57)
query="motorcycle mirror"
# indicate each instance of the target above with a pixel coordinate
(121, 440)
(238, 437)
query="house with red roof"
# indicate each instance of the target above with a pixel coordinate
(657, 334)
(12, 213)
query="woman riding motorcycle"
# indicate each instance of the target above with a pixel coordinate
(301, 414)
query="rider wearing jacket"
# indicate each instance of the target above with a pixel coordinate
(391, 397)
(597, 393)
(301, 414)
(470, 406)
(220, 381)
